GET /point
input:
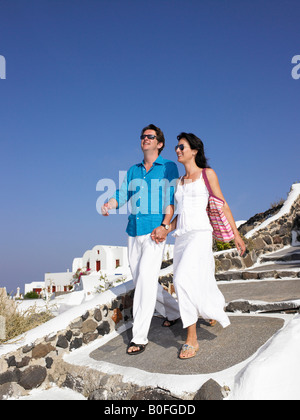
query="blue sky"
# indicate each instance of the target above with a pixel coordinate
(84, 76)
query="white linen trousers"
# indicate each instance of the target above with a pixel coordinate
(145, 258)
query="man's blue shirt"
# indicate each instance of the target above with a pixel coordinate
(148, 194)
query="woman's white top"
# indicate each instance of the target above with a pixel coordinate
(191, 201)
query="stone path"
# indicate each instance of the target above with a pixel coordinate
(268, 291)
(219, 348)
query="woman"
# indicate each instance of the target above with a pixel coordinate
(194, 266)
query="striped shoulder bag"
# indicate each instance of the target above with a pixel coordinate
(221, 228)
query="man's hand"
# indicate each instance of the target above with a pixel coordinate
(112, 204)
(105, 209)
(159, 234)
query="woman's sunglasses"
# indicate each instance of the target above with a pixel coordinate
(180, 147)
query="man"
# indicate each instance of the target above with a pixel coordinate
(149, 188)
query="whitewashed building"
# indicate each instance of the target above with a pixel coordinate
(58, 282)
(36, 286)
(102, 259)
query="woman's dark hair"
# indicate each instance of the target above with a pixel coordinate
(159, 135)
(195, 144)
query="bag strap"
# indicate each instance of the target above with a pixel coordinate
(207, 182)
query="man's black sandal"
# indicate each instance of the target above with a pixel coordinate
(140, 346)
(171, 323)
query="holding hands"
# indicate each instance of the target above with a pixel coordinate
(159, 234)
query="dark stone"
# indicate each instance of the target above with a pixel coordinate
(104, 328)
(11, 361)
(277, 240)
(287, 274)
(296, 223)
(210, 391)
(89, 337)
(250, 275)
(229, 276)
(258, 243)
(98, 315)
(75, 384)
(33, 377)
(225, 264)
(62, 342)
(248, 261)
(247, 307)
(114, 305)
(239, 306)
(24, 362)
(105, 311)
(76, 343)
(287, 240)
(268, 239)
(283, 231)
(69, 335)
(10, 376)
(89, 326)
(42, 350)
(85, 316)
(268, 275)
(237, 263)
(49, 362)
(127, 302)
(28, 348)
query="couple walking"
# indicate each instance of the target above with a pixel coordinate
(151, 220)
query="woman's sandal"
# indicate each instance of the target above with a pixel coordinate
(140, 346)
(171, 323)
(185, 349)
(212, 322)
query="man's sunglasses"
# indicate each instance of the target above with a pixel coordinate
(150, 136)
(179, 146)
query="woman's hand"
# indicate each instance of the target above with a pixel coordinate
(240, 244)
